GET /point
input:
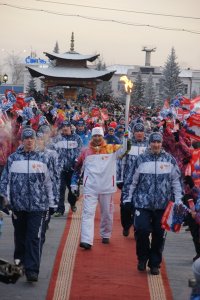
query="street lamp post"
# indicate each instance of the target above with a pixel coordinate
(3, 78)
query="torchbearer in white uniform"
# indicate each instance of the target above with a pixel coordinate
(98, 162)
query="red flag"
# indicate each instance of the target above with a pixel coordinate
(95, 112)
(182, 114)
(194, 120)
(195, 103)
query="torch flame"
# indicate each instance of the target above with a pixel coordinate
(128, 84)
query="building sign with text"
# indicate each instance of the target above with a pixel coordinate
(35, 60)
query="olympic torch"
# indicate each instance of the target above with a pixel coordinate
(128, 84)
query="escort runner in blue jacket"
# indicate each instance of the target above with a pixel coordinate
(54, 169)
(27, 184)
(68, 146)
(138, 146)
(156, 180)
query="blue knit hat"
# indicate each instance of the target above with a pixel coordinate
(28, 133)
(80, 122)
(39, 134)
(65, 123)
(155, 137)
(45, 128)
(138, 127)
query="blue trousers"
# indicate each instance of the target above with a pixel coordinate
(149, 222)
(29, 236)
(65, 182)
(127, 215)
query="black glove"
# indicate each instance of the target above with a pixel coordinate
(52, 210)
(19, 119)
(176, 136)
(156, 129)
(127, 205)
(186, 160)
(129, 144)
(127, 208)
(164, 124)
(188, 180)
(120, 185)
(4, 206)
(6, 210)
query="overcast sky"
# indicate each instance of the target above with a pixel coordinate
(116, 43)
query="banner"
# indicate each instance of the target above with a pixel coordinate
(174, 216)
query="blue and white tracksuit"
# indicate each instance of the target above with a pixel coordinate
(55, 171)
(68, 148)
(156, 180)
(26, 181)
(127, 171)
(27, 184)
(127, 167)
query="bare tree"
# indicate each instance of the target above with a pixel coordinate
(13, 61)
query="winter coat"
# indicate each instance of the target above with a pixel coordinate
(26, 181)
(99, 166)
(54, 171)
(156, 180)
(125, 166)
(68, 148)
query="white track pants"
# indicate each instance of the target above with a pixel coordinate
(89, 208)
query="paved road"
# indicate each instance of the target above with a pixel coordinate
(178, 255)
(23, 290)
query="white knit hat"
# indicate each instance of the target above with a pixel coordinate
(97, 131)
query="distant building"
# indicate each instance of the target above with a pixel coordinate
(33, 60)
(189, 77)
(191, 81)
(70, 70)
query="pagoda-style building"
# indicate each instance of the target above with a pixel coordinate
(70, 70)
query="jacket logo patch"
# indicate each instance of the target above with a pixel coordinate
(72, 144)
(37, 167)
(164, 166)
(104, 157)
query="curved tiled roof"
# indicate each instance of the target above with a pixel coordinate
(65, 72)
(71, 56)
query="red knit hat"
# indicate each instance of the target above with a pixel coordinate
(97, 125)
(113, 124)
